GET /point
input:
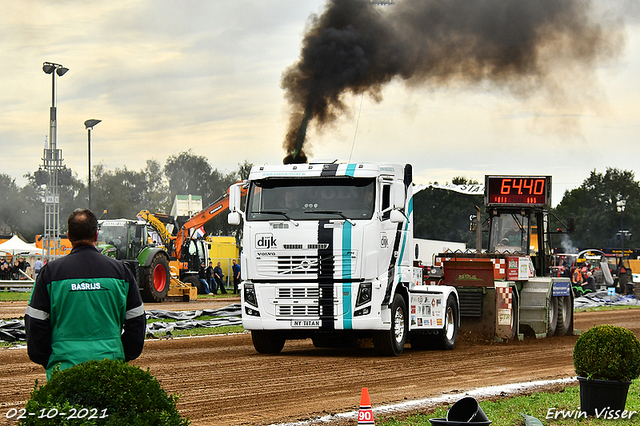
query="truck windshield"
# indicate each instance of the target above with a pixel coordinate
(311, 199)
(509, 233)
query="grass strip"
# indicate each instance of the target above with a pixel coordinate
(551, 408)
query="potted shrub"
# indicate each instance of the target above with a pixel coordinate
(606, 359)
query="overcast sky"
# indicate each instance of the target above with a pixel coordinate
(168, 76)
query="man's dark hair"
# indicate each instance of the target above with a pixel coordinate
(82, 225)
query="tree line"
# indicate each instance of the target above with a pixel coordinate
(121, 192)
(439, 214)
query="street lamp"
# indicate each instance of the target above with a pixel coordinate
(52, 165)
(89, 124)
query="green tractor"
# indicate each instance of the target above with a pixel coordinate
(138, 246)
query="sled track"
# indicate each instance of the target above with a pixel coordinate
(223, 381)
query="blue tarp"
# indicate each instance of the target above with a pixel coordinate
(603, 298)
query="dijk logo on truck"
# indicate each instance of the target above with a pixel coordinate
(265, 241)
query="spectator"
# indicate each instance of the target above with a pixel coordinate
(84, 306)
(15, 270)
(24, 266)
(577, 277)
(218, 276)
(37, 265)
(236, 276)
(590, 283)
(209, 277)
(5, 270)
(202, 276)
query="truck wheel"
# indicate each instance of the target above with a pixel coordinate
(194, 281)
(267, 342)
(391, 342)
(156, 279)
(565, 314)
(552, 315)
(446, 338)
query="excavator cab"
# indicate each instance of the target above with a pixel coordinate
(194, 252)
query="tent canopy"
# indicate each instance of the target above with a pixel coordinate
(16, 246)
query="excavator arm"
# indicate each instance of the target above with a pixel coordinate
(159, 227)
(200, 218)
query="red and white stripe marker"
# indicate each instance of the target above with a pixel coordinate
(365, 415)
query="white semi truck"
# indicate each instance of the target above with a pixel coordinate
(328, 254)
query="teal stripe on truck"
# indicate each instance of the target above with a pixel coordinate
(346, 275)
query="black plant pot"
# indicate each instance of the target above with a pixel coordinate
(599, 397)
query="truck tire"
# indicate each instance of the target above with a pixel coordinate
(267, 342)
(446, 338)
(156, 280)
(565, 314)
(552, 315)
(391, 342)
(194, 281)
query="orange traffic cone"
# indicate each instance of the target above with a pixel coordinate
(365, 415)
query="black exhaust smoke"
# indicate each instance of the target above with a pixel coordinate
(356, 48)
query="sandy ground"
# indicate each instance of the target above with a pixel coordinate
(223, 381)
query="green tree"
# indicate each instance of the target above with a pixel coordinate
(122, 192)
(244, 169)
(12, 206)
(188, 173)
(157, 197)
(594, 208)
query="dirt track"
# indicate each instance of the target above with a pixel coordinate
(223, 381)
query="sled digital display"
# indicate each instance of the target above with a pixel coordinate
(518, 190)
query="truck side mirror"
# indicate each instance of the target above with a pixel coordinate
(396, 216)
(398, 195)
(234, 218)
(235, 197)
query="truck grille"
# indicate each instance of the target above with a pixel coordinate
(299, 310)
(300, 265)
(305, 298)
(298, 293)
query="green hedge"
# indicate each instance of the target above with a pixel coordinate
(105, 393)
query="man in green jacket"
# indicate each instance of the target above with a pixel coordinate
(84, 306)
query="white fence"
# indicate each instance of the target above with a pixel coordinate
(17, 284)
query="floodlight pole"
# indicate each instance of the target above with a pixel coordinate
(89, 124)
(52, 164)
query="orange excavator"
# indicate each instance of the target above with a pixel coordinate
(187, 251)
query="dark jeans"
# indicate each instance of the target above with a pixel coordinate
(205, 286)
(220, 285)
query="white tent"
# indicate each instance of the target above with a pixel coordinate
(16, 246)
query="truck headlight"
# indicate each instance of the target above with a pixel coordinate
(250, 294)
(364, 294)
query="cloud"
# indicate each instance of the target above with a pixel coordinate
(166, 76)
